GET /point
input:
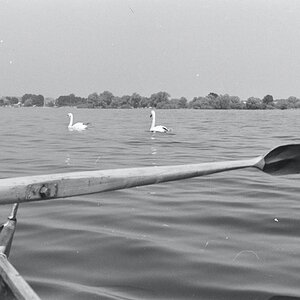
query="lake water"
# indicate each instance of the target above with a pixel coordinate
(233, 235)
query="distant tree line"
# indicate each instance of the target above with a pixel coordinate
(160, 100)
(25, 100)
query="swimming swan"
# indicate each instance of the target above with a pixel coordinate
(77, 126)
(157, 128)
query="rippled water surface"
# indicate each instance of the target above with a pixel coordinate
(233, 235)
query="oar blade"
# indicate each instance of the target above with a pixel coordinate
(283, 160)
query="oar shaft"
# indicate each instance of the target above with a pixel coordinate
(35, 188)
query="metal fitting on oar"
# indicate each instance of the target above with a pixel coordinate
(40, 191)
(45, 192)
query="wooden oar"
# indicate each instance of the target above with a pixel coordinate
(13, 286)
(280, 161)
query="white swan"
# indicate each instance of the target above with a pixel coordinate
(157, 128)
(77, 126)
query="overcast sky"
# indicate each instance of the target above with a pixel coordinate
(184, 47)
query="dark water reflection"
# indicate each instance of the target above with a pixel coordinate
(233, 235)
